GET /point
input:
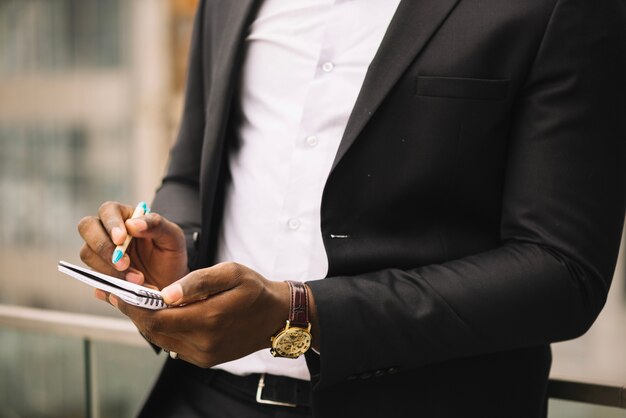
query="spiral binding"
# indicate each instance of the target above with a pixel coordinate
(152, 299)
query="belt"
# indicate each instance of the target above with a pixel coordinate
(263, 388)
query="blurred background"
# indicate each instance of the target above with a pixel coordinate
(90, 94)
(90, 100)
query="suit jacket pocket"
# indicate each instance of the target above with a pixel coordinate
(462, 88)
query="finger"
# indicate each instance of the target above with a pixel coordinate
(98, 263)
(150, 325)
(95, 236)
(101, 295)
(166, 342)
(164, 233)
(171, 330)
(93, 232)
(135, 276)
(163, 321)
(112, 216)
(200, 284)
(178, 345)
(151, 286)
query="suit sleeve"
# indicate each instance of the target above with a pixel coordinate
(178, 198)
(562, 217)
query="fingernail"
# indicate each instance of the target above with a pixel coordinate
(122, 264)
(134, 278)
(116, 235)
(113, 300)
(172, 294)
(100, 294)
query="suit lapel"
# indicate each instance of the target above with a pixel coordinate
(412, 26)
(237, 16)
(220, 72)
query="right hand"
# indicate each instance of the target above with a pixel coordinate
(156, 256)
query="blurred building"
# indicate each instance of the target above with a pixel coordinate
(90, 94)
(90, 97)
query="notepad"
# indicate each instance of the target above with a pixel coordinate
(131, 293)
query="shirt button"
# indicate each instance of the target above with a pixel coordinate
(328, 67)
(311, 140)
(293, 224)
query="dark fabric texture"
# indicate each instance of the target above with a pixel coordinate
(184, 391)
(474, 209)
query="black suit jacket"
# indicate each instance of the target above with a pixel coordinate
(474, 209)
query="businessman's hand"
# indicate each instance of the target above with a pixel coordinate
(156, 256)
(221, 313)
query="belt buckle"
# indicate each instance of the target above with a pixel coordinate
(259, 395)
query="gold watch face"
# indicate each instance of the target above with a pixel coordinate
(291, 342)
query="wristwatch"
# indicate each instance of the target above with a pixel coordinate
(295, 339)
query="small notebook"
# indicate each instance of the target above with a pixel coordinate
(131, 293)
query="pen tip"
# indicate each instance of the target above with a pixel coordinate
(117, 255)
(145, 207)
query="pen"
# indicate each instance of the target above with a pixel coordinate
(141, 209)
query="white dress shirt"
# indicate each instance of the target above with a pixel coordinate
(305, 62)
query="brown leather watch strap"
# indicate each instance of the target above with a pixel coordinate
(299, 305)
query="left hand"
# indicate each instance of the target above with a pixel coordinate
(234, 312)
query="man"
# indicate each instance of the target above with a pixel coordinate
(452, 169)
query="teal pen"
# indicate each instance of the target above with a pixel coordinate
(141, 209)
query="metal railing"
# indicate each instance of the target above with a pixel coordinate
(588, 392)
(89, 328)
(92, 328)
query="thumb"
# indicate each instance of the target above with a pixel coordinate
(200, 284)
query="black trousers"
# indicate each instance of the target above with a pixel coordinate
(185, 391)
